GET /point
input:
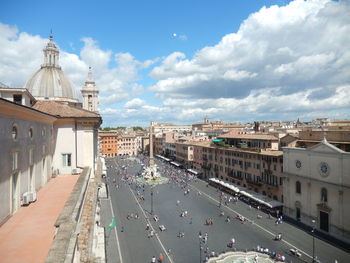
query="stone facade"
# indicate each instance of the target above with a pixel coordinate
(317, 187)
(27, 143)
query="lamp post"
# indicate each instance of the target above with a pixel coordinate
(200, 246)
(313, 240)
(151, 200)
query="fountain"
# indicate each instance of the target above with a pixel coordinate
(150, 174)
(241, 257)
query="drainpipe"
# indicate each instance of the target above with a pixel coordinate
(76, 145)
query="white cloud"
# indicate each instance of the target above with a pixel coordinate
(94, 56)
(134, 103)
(284, 62)
(294, 47)
(116, 74)
(20, 54)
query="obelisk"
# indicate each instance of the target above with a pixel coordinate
(151, 160)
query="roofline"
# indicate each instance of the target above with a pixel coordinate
(23, 89)
(26, 107)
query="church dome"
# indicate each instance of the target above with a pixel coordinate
(50, 82)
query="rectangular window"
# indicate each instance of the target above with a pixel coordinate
(67, 159)
(17, 98)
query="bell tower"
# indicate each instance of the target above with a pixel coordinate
(90, 94)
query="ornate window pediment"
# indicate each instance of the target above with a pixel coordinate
(324, 207)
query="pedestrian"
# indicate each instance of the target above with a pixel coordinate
(161, 257)
(153, 259)
(191, 220)
(122, 229)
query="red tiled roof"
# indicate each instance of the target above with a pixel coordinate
(63, 110)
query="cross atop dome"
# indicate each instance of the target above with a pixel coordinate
(51, 54)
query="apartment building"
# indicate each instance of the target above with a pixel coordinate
(260, 171)
(145, 143)
(127, 145)
(170, 148)
(339, 136)
(159, 127)
(198, 147)
(252, 161)
(184, 154)
(108, 143)
(158, 141)
(288, 140)
(207, 125)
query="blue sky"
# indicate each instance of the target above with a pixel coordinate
(177, 61)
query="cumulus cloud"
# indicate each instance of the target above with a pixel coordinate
(134, 103)
(116, 74)
(284, 62)
(20, 54)
(298, 51)
(263, 104)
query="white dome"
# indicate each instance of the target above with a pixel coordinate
(50, 82)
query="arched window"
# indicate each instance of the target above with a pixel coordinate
(298, 187)
(324, 196)
(14, 132)
(30, 132)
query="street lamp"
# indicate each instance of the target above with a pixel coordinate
(151, 200)
(313, 240)
(200, 246)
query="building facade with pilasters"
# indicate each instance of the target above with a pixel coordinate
(317, 187)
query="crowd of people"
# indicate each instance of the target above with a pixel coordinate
(176, 178)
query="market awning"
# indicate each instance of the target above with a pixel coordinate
(162, 157)
(224, 184)
(176, 164)
(262, 199)
(193, 171)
